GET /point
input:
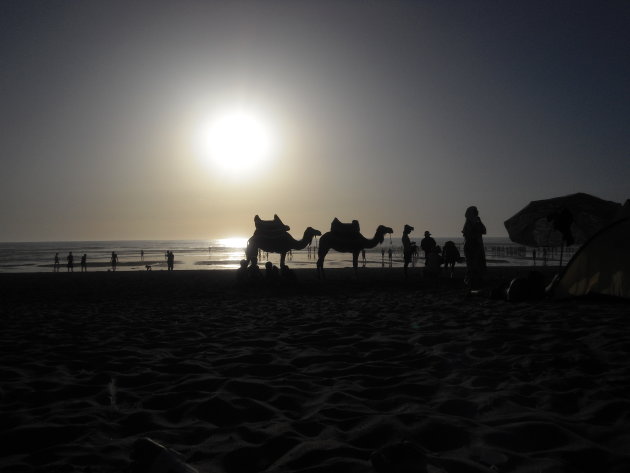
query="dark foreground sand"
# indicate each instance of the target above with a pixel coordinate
(307, 378)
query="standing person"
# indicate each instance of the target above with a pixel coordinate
(450, 256)
(407, 250)
(534, 256)
(114, 260)
(389, 254)
(84, 263)
(70, 260)
(141, 255)
(56, 264)
(474, 252)
(170, 261)
(427, 244)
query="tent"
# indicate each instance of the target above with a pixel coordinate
(601, 265)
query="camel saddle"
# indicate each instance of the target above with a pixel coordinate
(270, 226)
(345, 229)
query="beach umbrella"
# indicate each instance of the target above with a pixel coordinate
(559, 221)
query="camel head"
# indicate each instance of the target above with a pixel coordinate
(381, 231)
(310, 232)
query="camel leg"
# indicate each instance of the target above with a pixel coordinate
(283, 255)
(355, 262)
(320, 262)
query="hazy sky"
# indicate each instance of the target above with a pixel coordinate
(385, 112)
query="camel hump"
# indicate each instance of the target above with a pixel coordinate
(274, 225)
(341, 228)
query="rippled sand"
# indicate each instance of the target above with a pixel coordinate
(312, 377)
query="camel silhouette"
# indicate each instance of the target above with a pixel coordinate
(277, 242)
(348, 242)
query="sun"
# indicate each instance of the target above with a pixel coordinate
(236, 141)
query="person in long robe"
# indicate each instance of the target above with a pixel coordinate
(474, 252)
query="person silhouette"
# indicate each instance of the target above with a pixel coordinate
(272, 273)
(84, 263)
(70, 260)
(56, 263)
(242, 272)
(170, 261)
(114, 260)
(427, 244)
(407, 250)
(141, 255)
(534, 256)
(414, 253)
(433, 263)
(288, 274)
(474, 251)
(450, 256)
(389, 254)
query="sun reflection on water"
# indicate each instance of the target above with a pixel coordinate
(233, 242)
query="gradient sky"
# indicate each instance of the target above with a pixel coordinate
(386, 112)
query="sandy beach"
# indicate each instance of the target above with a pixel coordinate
(311, 377)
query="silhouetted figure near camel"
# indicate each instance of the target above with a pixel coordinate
(346, 238)
(84, 263)
(433, 263)
(114, 260)
(242, 273)
(407, 249)
(272, 273)
(415, 252)
(70, 260)
(288, 275)
(450, 255)
(56, 263)
(474, 252)
(275, 239)
(427, 244)
(170, 261)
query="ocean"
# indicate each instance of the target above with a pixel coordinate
(222, 254)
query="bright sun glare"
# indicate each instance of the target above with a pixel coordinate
(233, 242)
(236, 141)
